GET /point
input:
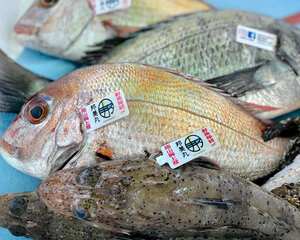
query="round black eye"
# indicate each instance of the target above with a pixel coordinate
(48, 3)
(18, 207)
(17, 230)
(36, 111)
(88, 177)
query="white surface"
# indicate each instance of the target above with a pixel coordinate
(11, 11)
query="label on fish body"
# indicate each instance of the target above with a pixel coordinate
(188, 148)
(256, 38)
(105, 6)
(105, 111)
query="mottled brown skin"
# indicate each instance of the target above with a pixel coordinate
(290, 192)
(25, 215)
(129, 196)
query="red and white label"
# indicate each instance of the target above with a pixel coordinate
(188, 148)
(105, 111)
(105, 6)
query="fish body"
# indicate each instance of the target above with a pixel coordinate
(67, 28)
(163, 106)
(204, 45)
(126, 196)
(17, 84)
(24, 214)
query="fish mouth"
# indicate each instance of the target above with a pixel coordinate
(65, 155)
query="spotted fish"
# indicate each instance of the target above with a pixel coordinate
(127, 196)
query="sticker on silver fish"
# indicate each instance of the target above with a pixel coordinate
(105, 6)
(105, 111)
(256, 38)
(188, 148)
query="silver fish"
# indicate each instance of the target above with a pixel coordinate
(67, 28)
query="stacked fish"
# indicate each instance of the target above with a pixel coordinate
(101, 135)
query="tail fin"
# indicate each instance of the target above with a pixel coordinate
(17, 84)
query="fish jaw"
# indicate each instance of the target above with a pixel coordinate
(38, 170)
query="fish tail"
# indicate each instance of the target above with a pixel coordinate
(17, 84)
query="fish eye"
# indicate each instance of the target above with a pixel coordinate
(18, 207)
(17, 230)
(48, 3)
(85, 209)
(88, 177)
(82, 213)
(37, 111)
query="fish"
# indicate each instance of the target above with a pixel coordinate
(164, 105)
(290, 164)
(66, 29)
(290, 174)
(290, 192)
(17, 84)
(128, 195)
(24, 214)
(204, 45)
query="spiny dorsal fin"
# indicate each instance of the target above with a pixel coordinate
(101, 49)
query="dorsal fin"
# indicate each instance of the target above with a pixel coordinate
(101, 49)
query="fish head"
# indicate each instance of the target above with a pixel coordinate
(14, 209)
(48, 130)
(69, 191)
(86, 192)
(55, 26)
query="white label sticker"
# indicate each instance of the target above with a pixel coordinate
(105, 6)
(188, 148)
(256, 38)
(105, 111)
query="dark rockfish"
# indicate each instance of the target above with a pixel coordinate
(129, 196)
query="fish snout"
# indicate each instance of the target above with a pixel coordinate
(7, 147)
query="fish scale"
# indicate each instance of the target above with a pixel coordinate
(160, 99)
(164, 106)
(204, 45)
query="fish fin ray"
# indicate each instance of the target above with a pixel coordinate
(101, 49)
(14, 79)
(240, 82)
(218, 203)
(287, 128)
